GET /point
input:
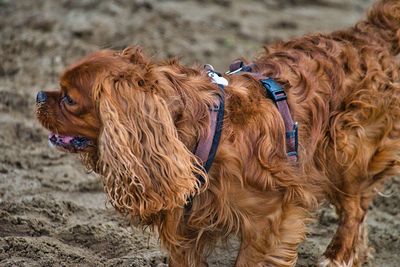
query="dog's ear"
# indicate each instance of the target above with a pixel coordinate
(146, 168)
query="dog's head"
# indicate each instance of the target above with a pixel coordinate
(109, 108)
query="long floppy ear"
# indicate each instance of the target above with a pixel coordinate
(146, 168)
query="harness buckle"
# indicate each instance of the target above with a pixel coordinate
(274, 90)
(216, 77)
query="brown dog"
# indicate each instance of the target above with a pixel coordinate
(135, 122)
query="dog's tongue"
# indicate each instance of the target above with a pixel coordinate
(66, 139)
(70, 143)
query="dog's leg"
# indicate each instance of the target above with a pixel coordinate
(182, 259)
(273, 243)
(349, 247)
(177, 259)
(365, 251)
(190, 255)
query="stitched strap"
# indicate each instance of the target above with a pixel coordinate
(208, 144)
(278, 95)
(219, 109)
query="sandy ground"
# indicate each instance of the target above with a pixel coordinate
(53, 213)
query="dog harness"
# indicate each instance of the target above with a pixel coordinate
(208, 144)
(276, 93)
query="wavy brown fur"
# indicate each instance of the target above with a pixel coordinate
(146, 117)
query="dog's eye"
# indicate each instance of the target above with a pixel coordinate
(68, 100)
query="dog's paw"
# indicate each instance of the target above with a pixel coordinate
(326, 262)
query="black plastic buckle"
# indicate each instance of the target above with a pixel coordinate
(274, 90)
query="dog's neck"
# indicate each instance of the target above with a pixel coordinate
(189, 93)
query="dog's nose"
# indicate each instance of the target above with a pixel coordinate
(41, 97)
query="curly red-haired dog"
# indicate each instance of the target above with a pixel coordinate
(135, 122)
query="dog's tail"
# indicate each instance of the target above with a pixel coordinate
(384, 17)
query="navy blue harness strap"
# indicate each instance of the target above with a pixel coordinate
(218, 131)
(214, 146)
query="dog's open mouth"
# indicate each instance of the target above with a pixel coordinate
(72, 144)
